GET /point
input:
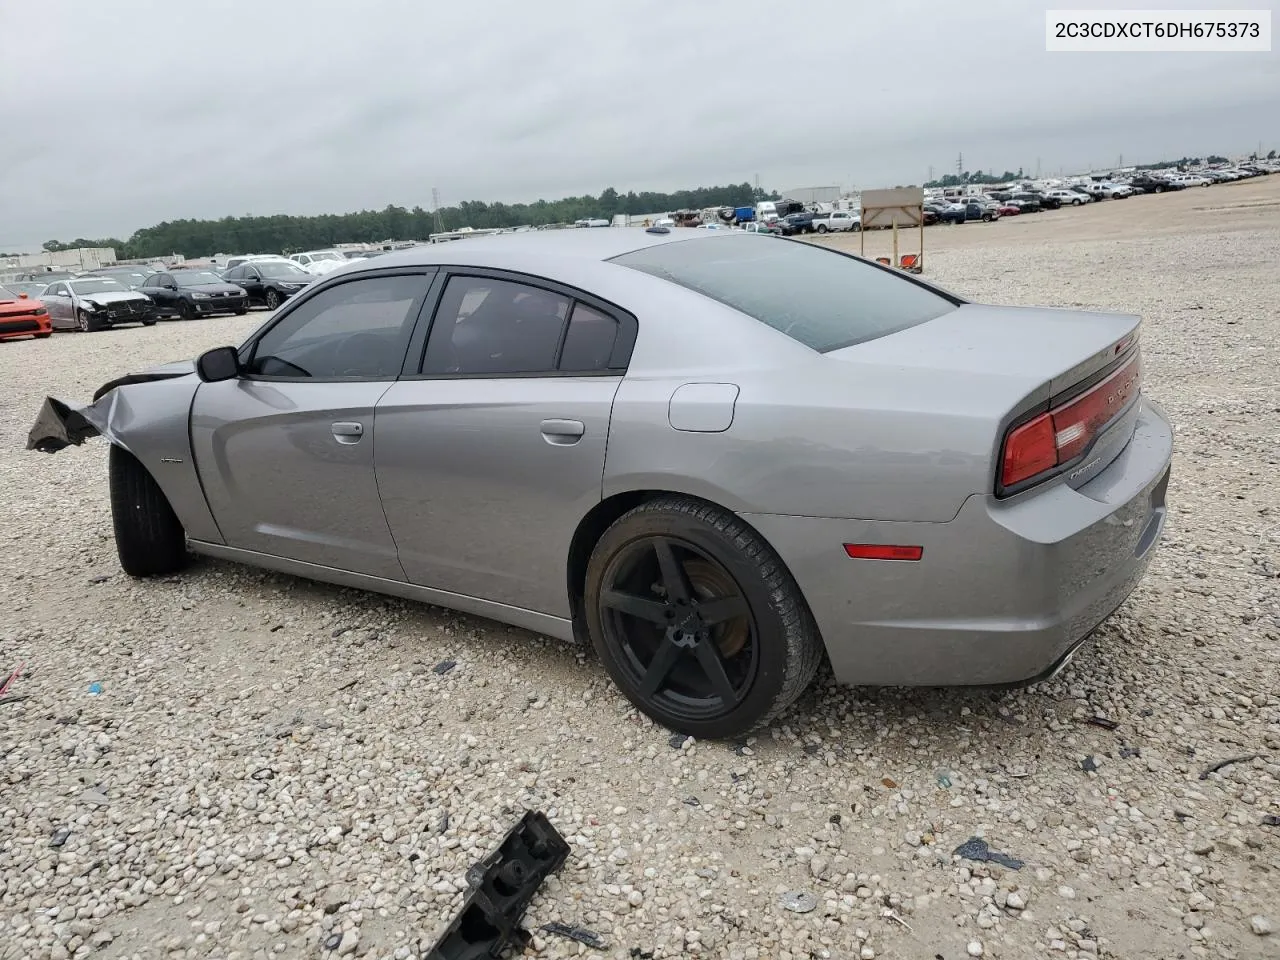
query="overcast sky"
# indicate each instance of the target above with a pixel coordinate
(117, 115)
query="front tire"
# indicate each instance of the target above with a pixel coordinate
(43, 336)
(186, 311)
(273, 300)
(150, 541)
(87, 322)
(697, 620)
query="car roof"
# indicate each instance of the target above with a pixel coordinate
(511, 250)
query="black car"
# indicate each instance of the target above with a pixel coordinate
(1046, 202)
(269, 282)
(192, 293)
(947, 212)
(1029, 202)
(1155, 184)
(794, 223)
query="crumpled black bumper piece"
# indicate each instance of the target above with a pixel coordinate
(58, 426)
(502, 886)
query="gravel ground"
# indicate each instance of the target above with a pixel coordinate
(274, 768)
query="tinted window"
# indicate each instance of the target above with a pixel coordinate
(495, 327)
(589, 342)
(196, 278)
(356, 329)
(235, 273)
(821, 298)
(55, 290)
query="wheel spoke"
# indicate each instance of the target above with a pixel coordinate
(713, 666)
(652, 610)
(659, 667)
(719, 609)
(674, 578)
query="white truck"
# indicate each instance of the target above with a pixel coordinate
(836, 220)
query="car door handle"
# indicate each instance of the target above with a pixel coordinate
(563, 432)
(347, 432)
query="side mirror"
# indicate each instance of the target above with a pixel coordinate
(220, 363)
(171, 286)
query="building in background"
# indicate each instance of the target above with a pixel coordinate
(812, 194)
(82, 258)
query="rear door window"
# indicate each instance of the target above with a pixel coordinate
(824, 299)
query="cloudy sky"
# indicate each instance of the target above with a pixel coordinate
(120, 114)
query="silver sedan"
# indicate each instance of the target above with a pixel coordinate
(717, 457)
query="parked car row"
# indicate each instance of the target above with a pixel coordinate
(113, 296)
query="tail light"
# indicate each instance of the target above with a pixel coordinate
(1064, 432)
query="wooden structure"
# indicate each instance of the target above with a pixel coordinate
(891, 208)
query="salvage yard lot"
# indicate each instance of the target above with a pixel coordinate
(273, 766)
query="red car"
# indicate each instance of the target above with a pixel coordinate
(20, 316)
(1009, 210)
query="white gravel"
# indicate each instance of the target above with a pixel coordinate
(273, 768)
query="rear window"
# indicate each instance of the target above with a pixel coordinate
(821, 298)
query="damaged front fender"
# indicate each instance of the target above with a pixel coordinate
(147, 414)
(59, 425)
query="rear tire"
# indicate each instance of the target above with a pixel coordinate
(150, 540)
(768, 649)
(822, 228)
(148, 323)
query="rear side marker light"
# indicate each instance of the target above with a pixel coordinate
(880, 551)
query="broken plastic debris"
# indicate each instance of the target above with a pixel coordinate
(1104, 722)
(59, 837)
(943, 777)
(975, 848)
(1270, 820)
(95, 688)
(501, 886)
(798, 901)
(443, 667)
(1215, 767)
(589, 937)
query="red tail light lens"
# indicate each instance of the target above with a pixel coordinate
(1067, 430)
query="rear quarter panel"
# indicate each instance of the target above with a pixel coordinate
(823, 439)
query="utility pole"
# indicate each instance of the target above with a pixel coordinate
(931, 172)
(960, 164)
(1120, 164)
(435, 206)
(1037, 168)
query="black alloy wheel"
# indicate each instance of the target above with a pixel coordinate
(273, 300)
(186, 310)
(688, 639)
(696, 619)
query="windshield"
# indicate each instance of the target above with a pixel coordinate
(846, 300)
(281, 271)
(195, 278)
(7, 294)
(127, 277)
(327, 255)
(102, 285)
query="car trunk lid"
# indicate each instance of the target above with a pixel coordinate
(1036, 360)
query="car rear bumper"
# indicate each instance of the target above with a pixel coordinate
(1003, 593)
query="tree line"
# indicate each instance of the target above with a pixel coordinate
(289, 234)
